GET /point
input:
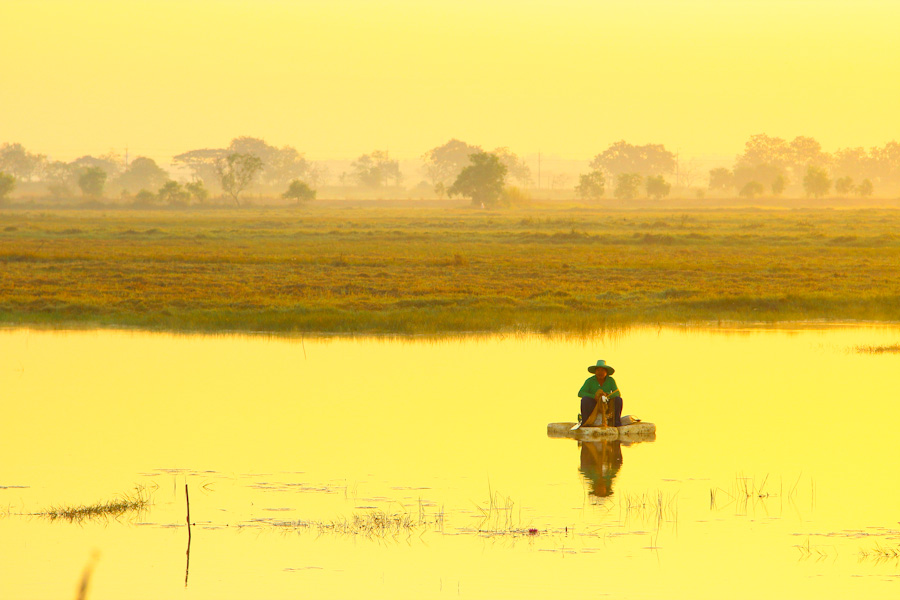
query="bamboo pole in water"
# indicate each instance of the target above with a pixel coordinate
(187, 564)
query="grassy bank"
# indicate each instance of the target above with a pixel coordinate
(433, 270)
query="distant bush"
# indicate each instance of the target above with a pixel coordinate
(197, 191)
(627, 186)
(751, 190)
(816, 182)
(657, 187)
(299, 191)
(92, 181)
(7, 185)
(145, 198)
(865, 188)
(778, 184)
(514, 197)
(591, 186)
(843, 185)
(174, 195)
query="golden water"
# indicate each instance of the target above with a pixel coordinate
(272, 431)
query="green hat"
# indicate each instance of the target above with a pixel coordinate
(601, 364)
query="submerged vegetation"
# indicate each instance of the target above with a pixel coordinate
(549, 269)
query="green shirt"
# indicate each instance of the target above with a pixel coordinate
(591, 385)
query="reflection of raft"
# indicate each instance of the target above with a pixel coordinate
(636, 431)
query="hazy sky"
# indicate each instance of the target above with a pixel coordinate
(339, 78)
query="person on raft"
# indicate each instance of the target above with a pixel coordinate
(601, 383)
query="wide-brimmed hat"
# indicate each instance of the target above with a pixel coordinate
(601, 364)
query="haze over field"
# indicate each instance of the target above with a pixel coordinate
(336, 79)
(220, 220)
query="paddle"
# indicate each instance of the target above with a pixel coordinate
(590, 419)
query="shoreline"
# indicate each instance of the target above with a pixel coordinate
(710, 325)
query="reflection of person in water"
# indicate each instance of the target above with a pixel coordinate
(600, 461)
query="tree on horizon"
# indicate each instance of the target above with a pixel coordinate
(482, 180)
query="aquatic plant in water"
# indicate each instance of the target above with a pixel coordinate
(375, 523)
(136, 501)
(892, 349)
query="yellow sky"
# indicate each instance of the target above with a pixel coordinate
(339, 78)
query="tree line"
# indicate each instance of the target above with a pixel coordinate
(768, 165)
(247, 162)
(141, 181)
(772, 163)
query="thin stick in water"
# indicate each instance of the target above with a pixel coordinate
(187, 564)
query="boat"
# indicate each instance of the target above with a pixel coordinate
(637, 431)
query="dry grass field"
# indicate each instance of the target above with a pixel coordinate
(413, 270)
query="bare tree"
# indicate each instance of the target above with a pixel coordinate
(560, 181)
(236, 172)
(318, 174)
(515, 166)
(689, 173)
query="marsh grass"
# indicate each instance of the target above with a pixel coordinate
(135, 502)
(880, 553)
(654, 508)
(498, 515)
(375, 524)
(748, 492)
(551, 270)
(892, 349)
(816, 552)
(741, 492)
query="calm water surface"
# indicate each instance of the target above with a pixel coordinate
(774, 470)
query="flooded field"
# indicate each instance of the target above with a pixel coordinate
(398, 468)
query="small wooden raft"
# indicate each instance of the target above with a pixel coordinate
(636, 431)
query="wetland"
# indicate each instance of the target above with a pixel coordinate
(421, 467)
(283, 402)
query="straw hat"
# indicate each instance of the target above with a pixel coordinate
(601, 364)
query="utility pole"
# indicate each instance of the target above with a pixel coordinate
(126, 156)
(539, 168)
